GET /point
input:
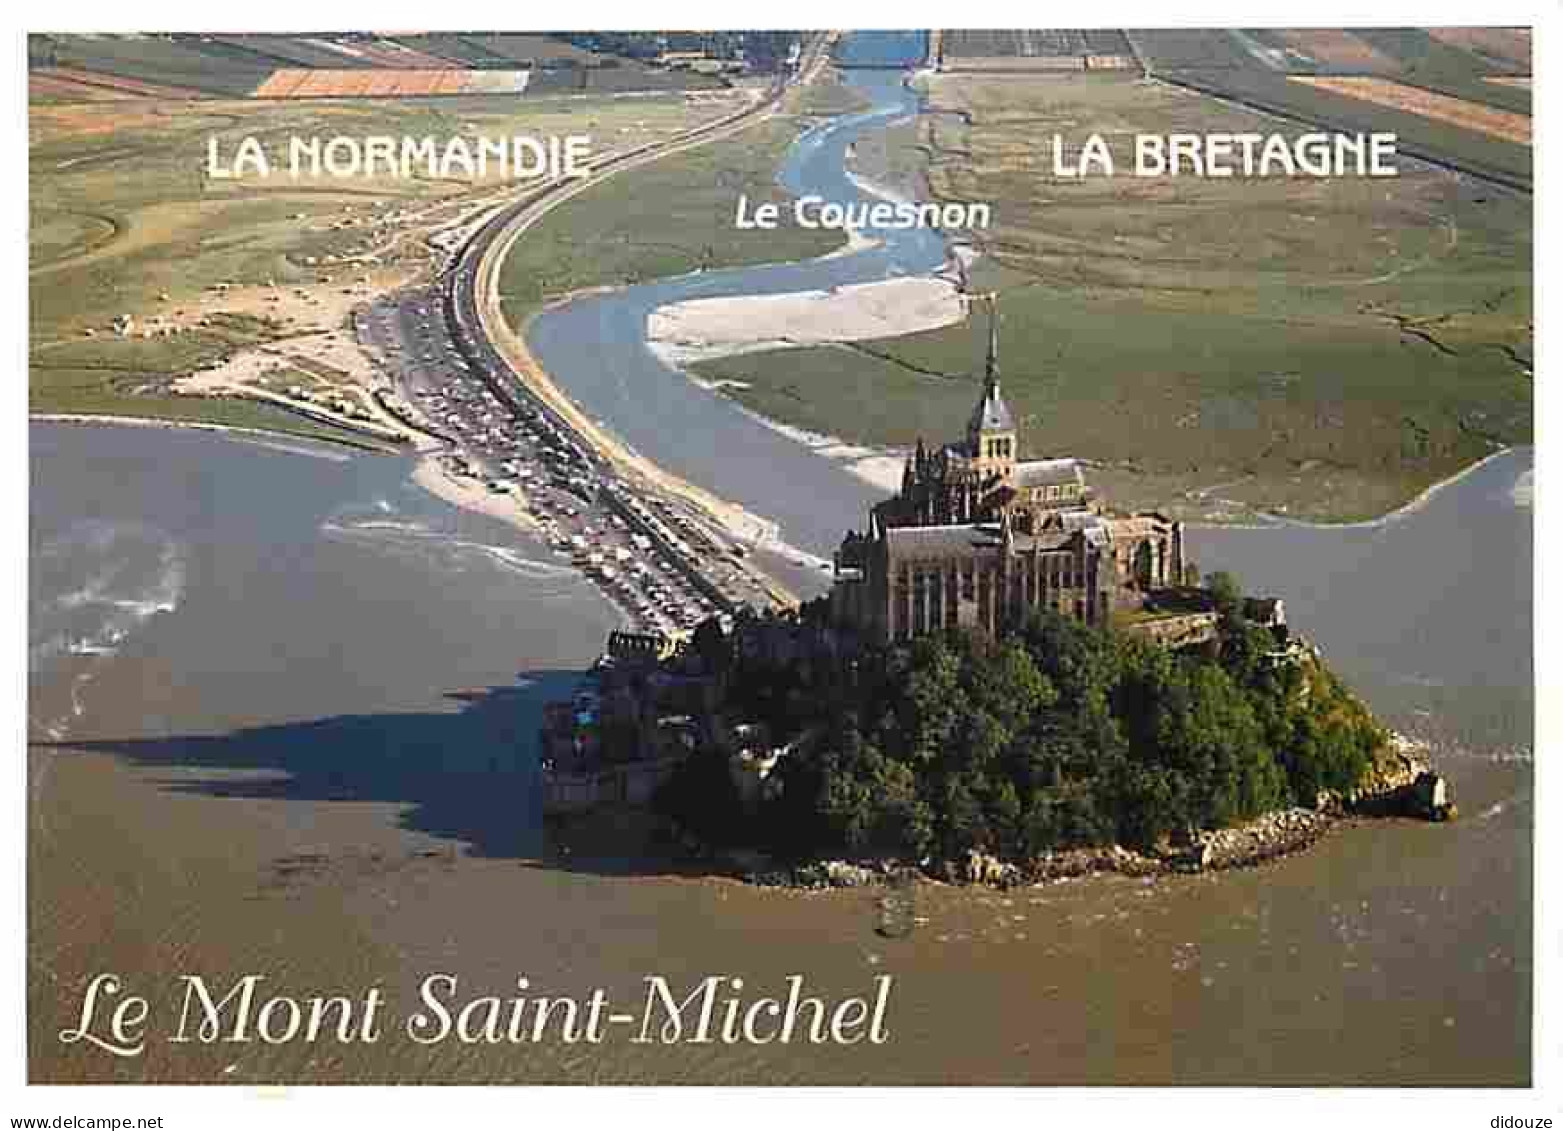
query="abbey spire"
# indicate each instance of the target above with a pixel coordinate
(990, 434)
(992, 382)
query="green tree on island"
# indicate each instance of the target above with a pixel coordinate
(1058, 735)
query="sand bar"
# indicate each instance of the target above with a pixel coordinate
(684, 332)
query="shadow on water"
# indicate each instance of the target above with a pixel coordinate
(469, 775)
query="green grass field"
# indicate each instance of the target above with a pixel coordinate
(827, 95)
(662, 219)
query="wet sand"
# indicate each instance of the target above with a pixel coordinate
(470, 494)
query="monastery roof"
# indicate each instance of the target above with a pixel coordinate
(958, 539)
(961, 540)
(1048, 473)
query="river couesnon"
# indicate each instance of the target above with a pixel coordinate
(698, 434)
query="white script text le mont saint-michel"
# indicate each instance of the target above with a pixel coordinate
(719, 1009)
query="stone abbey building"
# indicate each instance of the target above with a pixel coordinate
(976, 538)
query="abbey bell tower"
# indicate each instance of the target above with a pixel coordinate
(990, 434)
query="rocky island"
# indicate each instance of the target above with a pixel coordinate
(785, 747)
(1009, 678)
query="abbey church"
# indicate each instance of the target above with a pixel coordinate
(976, 538)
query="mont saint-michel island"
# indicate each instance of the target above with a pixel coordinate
(801, 508)
(1008, 679)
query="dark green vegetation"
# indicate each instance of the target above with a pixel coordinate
(466, 50)
(153, 59)
(1059, 736)
(1326, 348)
(274, 51)
(666, 218)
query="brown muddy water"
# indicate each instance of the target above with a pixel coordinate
(282, 709)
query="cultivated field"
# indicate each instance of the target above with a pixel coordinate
(1458, 112)
(52, 86)
(1033, 50)
(1253, 65)
(1256, 69)
(501, 51)
(1339, 49)
(1327, 348)
(388, 83)
(1509, 46)
(390, 54)
(152, 59)
(277, 50)
(1032, 43)
(1173, 49)
(94, 67)
(47, 121)
(110, 86)
(531, 49)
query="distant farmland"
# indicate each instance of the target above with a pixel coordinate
(1440, 107)
(1456, 96)
(1505, 46)
(157, 61)
(1337, 49)
(1176, 49)
(1051, 49)
(494, 51)
(322, 83)
(94, 68)
(1030, 44)
(68, 83)
(1443, 84)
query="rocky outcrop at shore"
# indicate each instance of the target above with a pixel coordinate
(1402, 784)
(1271, 836)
